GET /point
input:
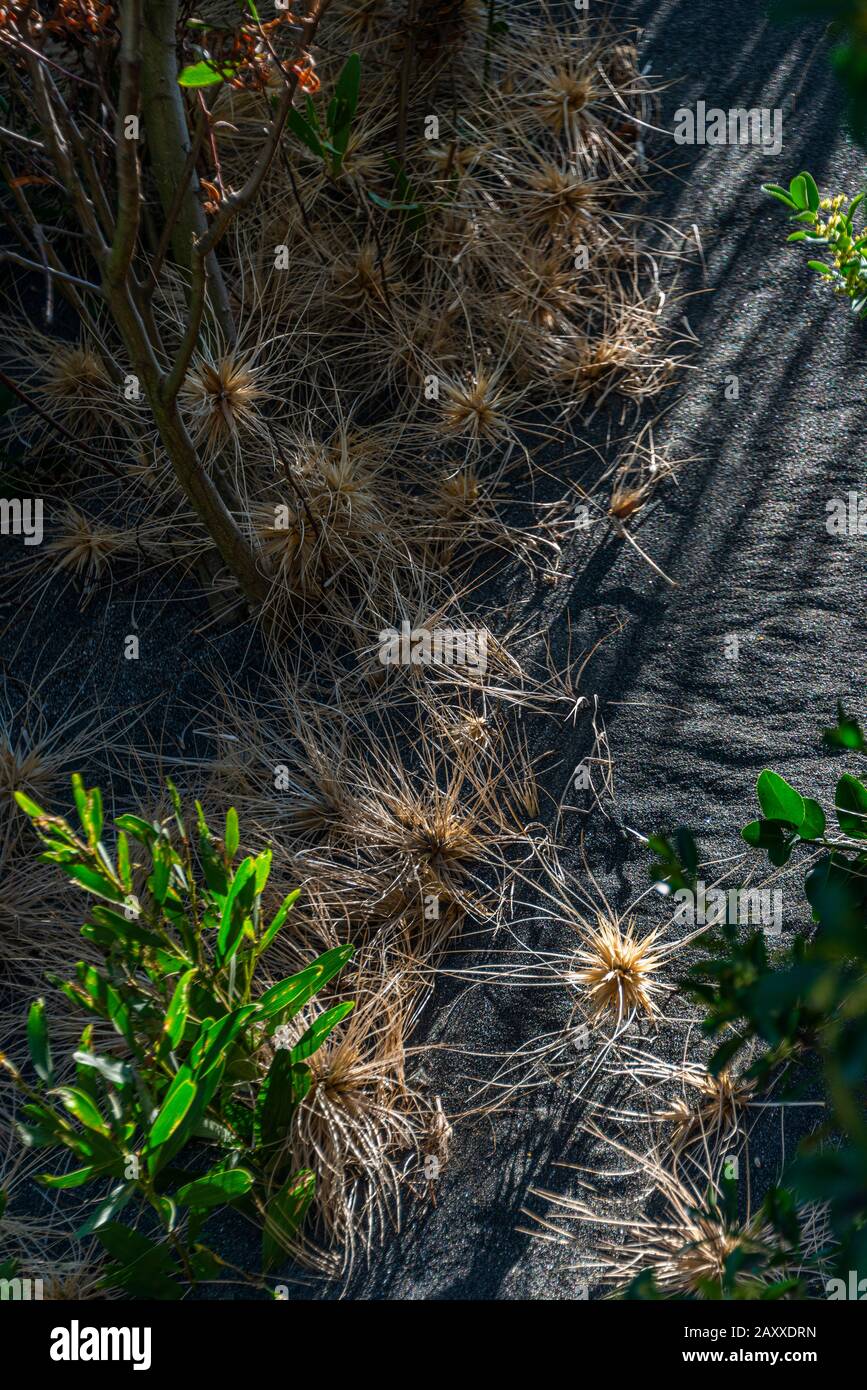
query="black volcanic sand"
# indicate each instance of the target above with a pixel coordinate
(743, 534)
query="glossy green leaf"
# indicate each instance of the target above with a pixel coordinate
(286, 998)
(116, 1073)
(171, 1115)
(850, 803)
(80, 1105)
(140, 830)
(285, 1085)
(215, 1188)
(29, 807)
(279, 918)
(811, 190)
(232, 837)
(64, 1181)
(812, 827)
(777, 192)
(215, 1040)
(37, 1041)
(94, 882)
(798, 191)
(778, 800)
(176, 1014)
(205, 74)
(318, 1031)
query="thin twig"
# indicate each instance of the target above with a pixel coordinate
(21, 139)
(58, 274)
(39, 236)
(404, 80)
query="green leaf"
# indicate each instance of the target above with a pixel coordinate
(811, 190)
(284, 1215)
(89, 806)
(850, 803)
(215, 1188)
(290, 995)
(232, 837)
(101, 998)
(262, 866)
(821, 268)
(37, 1041)
(215, 870)
(777, 192)
(158, 882)
(93, 882)
(205, 74)
(341, 110)
(845, 734)
(139, 829)
(798, 191)
(388, 206)
(812, 827)
(280, 917)
(171, 1115)
(234, 911)
(217, 1038)
(284, 1087)
(29, 807)
(319, 1030)
(778, 800)
(124, 868)
(305, 132)
(79, 1104)
(125, 930)
(775, 836)
(68, 1180)
(176, 1014)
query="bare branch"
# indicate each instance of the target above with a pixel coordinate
(198, 295)
(21, 139)
(42, 269)
(123, 247)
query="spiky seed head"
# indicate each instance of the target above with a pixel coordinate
(221, 397)
(71, 371)
(84, 547)
(564, 93)
(474, 407)
(617, 968)
(560, 197)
